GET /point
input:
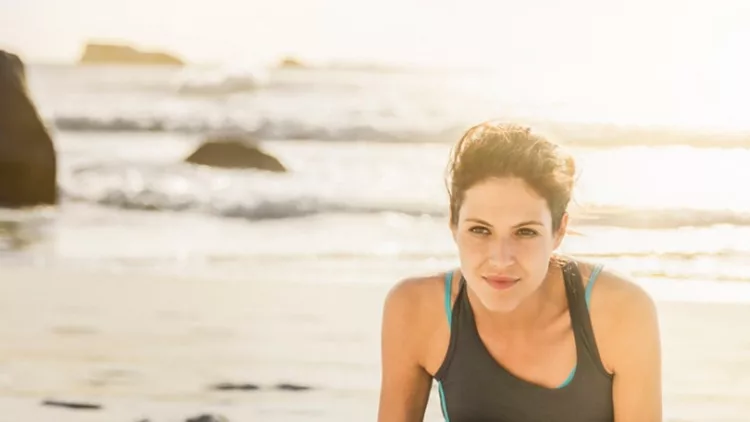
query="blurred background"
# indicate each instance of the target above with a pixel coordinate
(240, 182)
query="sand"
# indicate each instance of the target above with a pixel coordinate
(151, 346)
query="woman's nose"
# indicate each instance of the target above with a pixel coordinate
(502, 253)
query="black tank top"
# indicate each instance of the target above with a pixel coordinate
(474, 387)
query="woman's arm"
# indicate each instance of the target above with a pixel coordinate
(635, 355)
(405, 385)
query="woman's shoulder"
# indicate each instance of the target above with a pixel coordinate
(613, 289)
(418, 295)
(622, 313)
(414, 313)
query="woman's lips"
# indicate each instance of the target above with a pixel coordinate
(501, 282)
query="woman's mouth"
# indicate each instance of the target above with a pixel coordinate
(501, 282)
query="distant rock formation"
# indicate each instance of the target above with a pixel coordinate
(235, 152)
(28, 162)
(95, 53)
(291, 63)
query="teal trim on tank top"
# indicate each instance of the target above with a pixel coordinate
(448, 289)
(592, 278)
(449, 314)
(442, 402)
(589, 288)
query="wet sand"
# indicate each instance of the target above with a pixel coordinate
(149, 346)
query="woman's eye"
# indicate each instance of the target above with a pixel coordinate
(480, 230)
(525, 232)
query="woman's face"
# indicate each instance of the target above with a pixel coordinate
(505, 241)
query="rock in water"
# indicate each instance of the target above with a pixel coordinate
(235, 152)
(28, 162)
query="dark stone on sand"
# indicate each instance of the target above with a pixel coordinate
(292, 387)
(100, 53)
(208, 418)
(28, 162)
(226, 386)
(235, 153)
(72, 405)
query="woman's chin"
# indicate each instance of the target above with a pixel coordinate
(499, 302)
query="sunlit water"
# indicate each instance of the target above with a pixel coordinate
(671, 214)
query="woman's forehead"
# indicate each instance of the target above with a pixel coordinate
(504, 200)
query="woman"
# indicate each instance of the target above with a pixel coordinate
(518, 333)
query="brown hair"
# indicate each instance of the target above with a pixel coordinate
(508, 150)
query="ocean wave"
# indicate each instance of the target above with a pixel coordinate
(379, 130)
(219, 82)
(254, 195)
(93, 124)
(659, 218)
(254, 209)
(270, 208)
(262, 129)
(247, 194)
(670, 255)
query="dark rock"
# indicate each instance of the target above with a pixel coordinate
(226, 386)
(72, 405)
(28, 162)
(234, 152)
(95, 53)
(292, 387)
(208, 418)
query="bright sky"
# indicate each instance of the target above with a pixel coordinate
(633, 33)
(691, 54)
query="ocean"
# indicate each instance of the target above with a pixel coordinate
(365, 194)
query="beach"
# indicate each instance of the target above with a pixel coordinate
(161, 290)
(153, 347)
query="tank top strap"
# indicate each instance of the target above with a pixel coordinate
(458, 321)
(578, 302)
